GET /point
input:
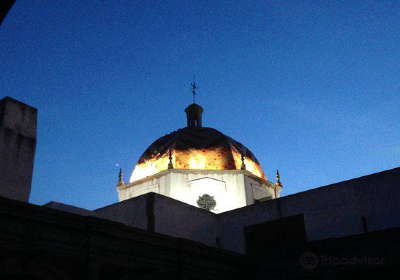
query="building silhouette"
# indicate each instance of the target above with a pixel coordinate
(172, 222)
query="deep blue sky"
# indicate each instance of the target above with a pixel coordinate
(311, 87)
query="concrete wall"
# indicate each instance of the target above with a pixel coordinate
(67, 208)
(227, 188)
(230, 188)
(163, 215)
(331, 211)
(132, 212)
(38, 241)
(18, 123)
(178, 219)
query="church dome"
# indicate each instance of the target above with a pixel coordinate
(196, 147)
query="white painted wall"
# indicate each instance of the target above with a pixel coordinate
(329, 212)
(231, 189)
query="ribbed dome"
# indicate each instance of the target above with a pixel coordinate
(195, 148)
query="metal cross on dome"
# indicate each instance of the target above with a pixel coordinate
(194, 87)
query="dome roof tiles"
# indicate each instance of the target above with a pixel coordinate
(195, 148)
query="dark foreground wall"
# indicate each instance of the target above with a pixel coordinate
(45, 244)
(366, 204)
(372, 255)
(50, 244)
(18, 123)
(5, 6)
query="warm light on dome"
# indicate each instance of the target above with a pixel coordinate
(198, 162)
(195, 147)
(205, 159)
(251, 166)
(149, 168)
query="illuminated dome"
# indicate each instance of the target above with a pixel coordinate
(195, 147)
(200, 166)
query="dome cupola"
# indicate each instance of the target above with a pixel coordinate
(200, 166)
(196, 147)
(194, 113)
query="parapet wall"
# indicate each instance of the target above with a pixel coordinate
(161, 214)
(368, 203)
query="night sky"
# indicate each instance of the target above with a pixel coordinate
(312, 88)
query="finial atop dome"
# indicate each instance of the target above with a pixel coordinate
(278, 182)
(243, 167)
(170, 164)
(193, 111)
(120, 176)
